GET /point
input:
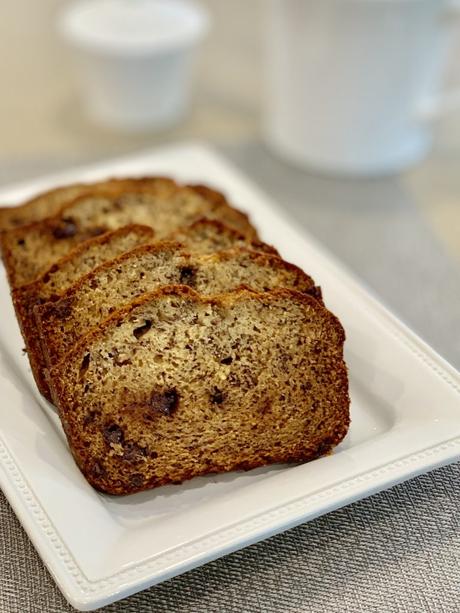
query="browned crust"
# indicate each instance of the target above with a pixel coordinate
(30, 211)
(23, 306)
(297, 453)
(47, 314)
(323, 447)
(208, 193)
(26, 297)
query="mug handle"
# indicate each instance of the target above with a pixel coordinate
(437, 105)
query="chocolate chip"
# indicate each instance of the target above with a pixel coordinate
(316, 292)
(317, 348)
(217, 396)
(97, 469)
(187, 275)
(121, 362)
(66, 228)
(21, 242)
(136, 480)
(265, 407)
(325, 446)
(141, 330)
(113, 434)
(165, 402)
(63, 308)
(133, 452)
(227, 361)
(84, 365)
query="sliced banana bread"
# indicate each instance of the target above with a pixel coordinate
(178, 385)
(116, 283)
(29, 251)
(203, 236)
(81, 260)
(49, 203)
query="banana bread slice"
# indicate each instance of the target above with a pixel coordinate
(81, 260)
(29, 251)
(116, 283)
(47, 204)
(203, 236)
(178, 385)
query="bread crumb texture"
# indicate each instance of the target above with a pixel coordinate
(178, 385)
(118, 282)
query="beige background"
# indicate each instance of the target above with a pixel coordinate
(41, 115)
(40, 110)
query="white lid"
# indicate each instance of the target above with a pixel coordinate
(133, 26)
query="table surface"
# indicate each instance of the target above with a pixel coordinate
(396, 551)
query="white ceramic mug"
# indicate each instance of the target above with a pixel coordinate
(352, 83)
(133, 58)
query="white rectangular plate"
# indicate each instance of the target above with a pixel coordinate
(405, 421)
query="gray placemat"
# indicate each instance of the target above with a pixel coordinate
(396, 551)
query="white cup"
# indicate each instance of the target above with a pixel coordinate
(133, 58)
(352, 83)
